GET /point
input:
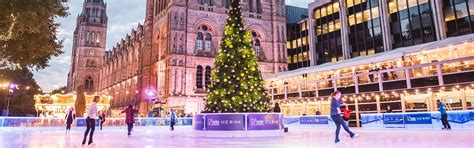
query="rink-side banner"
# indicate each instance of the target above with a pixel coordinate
(225, 122)
(198, 122)
(263, 121)
(314, 120)
(418, 118)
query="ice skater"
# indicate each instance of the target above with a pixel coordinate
(102, 119)
(90, 120)
(444, 115)
(70, 117)
(172, 120)
(336, 117)
(129, 118)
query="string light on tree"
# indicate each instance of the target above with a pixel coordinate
(237, 84)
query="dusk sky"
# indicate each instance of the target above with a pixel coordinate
(123, 17)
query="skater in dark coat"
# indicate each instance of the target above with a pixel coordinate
(70, 117)
(102, 119)
(172, 120)
(129, 117)
(336, 117)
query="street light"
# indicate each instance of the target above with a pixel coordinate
(151, 93)
(11, 88)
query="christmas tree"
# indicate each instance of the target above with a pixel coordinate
(237, 84)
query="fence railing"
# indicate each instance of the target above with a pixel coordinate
(58, 122)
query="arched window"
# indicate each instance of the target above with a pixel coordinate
(88, 36)
(199, 77)
(257, 47)
(259, 6)
(89, 83)
(207, 76)
(88, 63)
(201, 2)
(209, 2)
(92, 64)
(199, 41)
(208, 42)
(98, 37)
(250, 5)
(93, 37)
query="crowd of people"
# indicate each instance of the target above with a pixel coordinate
(93, 114)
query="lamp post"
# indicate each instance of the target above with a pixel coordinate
(151, 93)
(11, 88)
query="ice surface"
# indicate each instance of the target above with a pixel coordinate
(116, 137)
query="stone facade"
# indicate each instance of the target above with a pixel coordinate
(169, 58)
(88, 47)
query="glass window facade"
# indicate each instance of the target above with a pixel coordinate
(328, 35)
(297, 45)
(459, 17)
(365, 35)
(411, 22)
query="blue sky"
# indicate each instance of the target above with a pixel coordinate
(123, 17)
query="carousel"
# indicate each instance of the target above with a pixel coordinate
(56, 105)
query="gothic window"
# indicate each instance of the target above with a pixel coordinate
(201, 2)
(89, 83)
(208, 42)
(209, 2)
(259, 6)
(98, 38)
(208, 76)
(257, 47)
(88, 36)
(199, 77)
(93, 37)
(88, 63)
(199, 41)
(250, 5)
(278, 33)
(92, 63)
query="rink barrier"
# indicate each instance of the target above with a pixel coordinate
(238, 125)
(457, 119)
(59, 122)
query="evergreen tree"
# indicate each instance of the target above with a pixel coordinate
(237, 84)
(80, 104)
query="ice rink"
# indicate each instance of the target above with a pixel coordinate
(116, 137)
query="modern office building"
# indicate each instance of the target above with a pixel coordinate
(405, 54)
(297, 37)
(344, 29)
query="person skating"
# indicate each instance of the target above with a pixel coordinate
(102, 119)
(172, 119)
(444, 115)
(70, 117)
(336, 117)
(129, 117)
(90, 120)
